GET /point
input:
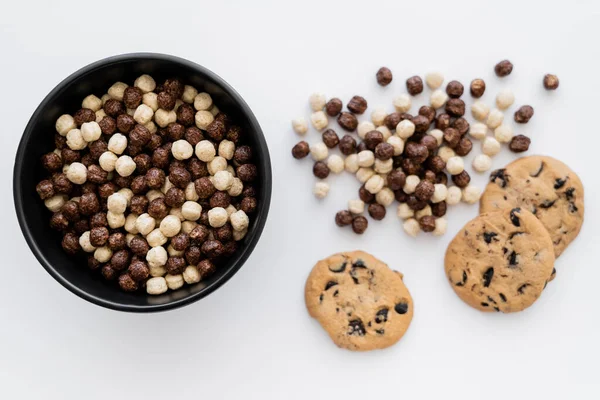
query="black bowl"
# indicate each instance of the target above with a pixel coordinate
(38, 139)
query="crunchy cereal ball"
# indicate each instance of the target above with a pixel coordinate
(385, 132)
(335, 164)
(145, 83)
(445, 153)
(117, 143)
(226, 149)
(105, 98)
(236, 187)
(320, 190)
(440, 192)
(404, 211)
(174, 282)
(103, 254)
(471, 194)
(239, 220)
(385, 197)
(300, 126)
(378, 115)
(77, 173)
(402, 103)
(410, 185)
(182, 150)
(157, 256)
(356, 206)
(383, 167)
(374, 184)
(397, 143)
(437, 99)
(170, 225)
(424, 212)
(480, 110)
(156, 285)
(505, 99)
(239, 235)
(188, 226)
(75, 140)
(490, 146)
(154, 194)
(176, 211)
(156, 238)
(319, 120)
(151, 100)
(455, 165)
(364, 174)
(164, 117)
(115, 220)
(166, 186)
(157, 271)
(191, 210)
(230, 210)
(434, 80)
(205, 151)
(438, 135)
(127, 193)
(202, 101)
(100, 114)
(366, 158)
(454, 195)
(405, 129)
(92, 102)
(116, 91)
(317, 101)
(191, 194)
(494, 119)
(441, 224)
(217, 164)
(222, 180)
(504, 133)
(130, 224)
(412, 227)
(217, 217)
(351, 163)
(478, 130)
(203, 119)
(319, 151)
(64, 124)
(482, 163)
(125, 166)
(191, 275)
(55, 203)
(145, 224)
(363, 128)
(117, 203)
(143, 114)
(84, 242)
(189, 94)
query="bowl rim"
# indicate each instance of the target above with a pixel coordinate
(263, 206)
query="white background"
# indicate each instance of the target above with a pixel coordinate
(253, 339)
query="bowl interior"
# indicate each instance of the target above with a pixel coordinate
(38, 139)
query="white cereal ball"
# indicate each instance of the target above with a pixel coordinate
(56, 202)
(116, 91)
(300, 126)
(351, 163)
(174, 282)
(230, 210)
(404, 211)
(366, 158)
(441, 225)
(65, 167)
(156, 238)
(356, 206)
(385, 131)
(374, 184)
(482, 163)
(319, 151)
(504, 99)
(115, 220)
(402, 103)
(103, 254)
(480, 110)
(203, 119)
(321, 189)
(239, 235)
(92, 102)
(239, 220)
(217, 217)
(454, 195)
(438, 98)
(319, 120)
(191, 194)
(383, 167)
(217, 164)
(363, 128)
(84, 242)
(182, 149)
(236, 187)
(397, 143)
(125, 166)
(176, 211)
(503, 133)
(156, 285)
(157, 270)
(495, 118)
(164, 117)
(440, 192)
(490, 146)
(191, 274)
(117, 143)
(405, 129)
(170, 225)
(317, 101)
(154, 194)
(64, 124)
(75, 140)
(117, 203)
(191, 210)
(223, 180)
(214, 110)
(438, 135)
(410, 184)
(446, 153)
(205, 151)
(478, 130)
(189, 94)
(471, 194)
(130, 223)
(364, 174)
(385, 197)
(378, 115)
(105, 97)
(130, 112)
(129, 237)
(335, 164)
(187, 226)
(226, 149)
(157, 256)
(202, 101)
(412, 227)
(424, 212)
(434, 80)
(100, 114)
(145, 224)
(166, 186)
(151, 100)
(145, 83)
(455, 165)
(77, 173)
(127, 194)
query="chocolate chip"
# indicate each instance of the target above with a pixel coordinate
(519, 144)
(356, 328)
(330, 138)
(477, 88)
(414, 85)
(547, 203)
(500, 176)
(487, 276)
(427, 223)
(330, 284)
(360, 224)
(489, 236)
(401, 308)
(550, 82)
(455, 107)
(381, 316)
(558, 183)
(377, 211)
(522, 288)
(503, 68)
(333, 107)
(523, 114)
(464, 280)
(384, 76)
(454, 89)
(514, 218)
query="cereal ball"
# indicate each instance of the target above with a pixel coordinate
(117, 203)
(87, 115)
(138, 270)
(70, 243)
(356, 206)
(174, 282)
(174, 197)
(490, 146)
(59, 222)
(363, 128)
(151, 100)
(88, 204)
(205, 151)
(438, 98)
(145, 83)
(321, 189)
(453, 195)
(463, 147)
(397, 145)
(434, 80)
(351, 163)
(405, 129)
(503, 133)
(191, 210)
(203, 119)
(551, 82)
(364, 174)
(157, 256)
(427, 223)
(227, 150)
(317, 101)
(404, 211)
(64, 124)
(217, 217)
(343, 218)
(383, 166)
(163, 117)
(455, 165)
(445, 153)
(166, 101)
(319, 120)
(75, 140)
(300, 126)
(117, 143)
(425, 212)
(182, 150)
(319, 151)
(402, 103)
(471, 194)
(377, 116)
(143, 114)
(115, 220)
(217, 164)
(505, 99)
(190, 191)
(132, 97)
(125, 166)
(519, 144)
(385, 132)
(480, 110)
(454, 89)
(77, 173)
(374, 184)
(189, 94)
(170, 225)
(236, 188)
(103, 254)
(424, 190)
(320, 170)
(202, 101)
(482, 163)
(385, 197)
(376, 211)
(360, 224)
(116, 91)
(478, 131)
(523, 114)
(239, 220)
(223, 180)
(84, 242)
(411, 183)
(145, 224)
(204, 187)
(45, 189)
(441, 224)
(412, 227)
(191, 275)
(455, 107)
(440, 192)
(366, 158)
(335, 164)
(156, 238)
(494, 119)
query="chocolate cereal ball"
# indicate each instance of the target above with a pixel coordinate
(139, 246)
(52, 162)
(125, 123)
(109, 273)
(301, 150)
(70, 243)
(132, 97)
(360, 224)
(427, 223)
(138, 270)
(120, 260)
(139, 204)
(155, 178)
(175, 197)
(186, 114)
(248, 205)
(99, 236)
(108, 125)
(127, 283)
(247, 172)
(89, 204)
(175, 265)
(166, 101)
(45, 189)
(347, 121)
(84, 115)
(116, 241)
(98, 220)
(377, 211)
(206, 268)
(343, 218)
(424, 190)
(333, 107)
(158, 208)
(204, 187)
(180, 177)
(347, 145)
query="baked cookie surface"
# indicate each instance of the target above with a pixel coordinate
(500, 261)
(546, 187)
(360, 302)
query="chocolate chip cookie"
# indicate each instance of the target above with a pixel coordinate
(546, 187)
(360, 302)
(500, 261)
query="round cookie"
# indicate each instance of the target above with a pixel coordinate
(544, 186)
(500, 261)
(360, 302)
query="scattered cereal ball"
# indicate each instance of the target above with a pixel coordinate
(189, 94)
(191, 210)
(454, 195)
(366, 158)
(482, 163)
(445, 153)
(182, 150)
(471, 194)
(321, 189)
(84, 242)
(455, 165)
(239, 220)
(156, 238)
(478, 131)
(351, 163)
(171, 225)
(230, 210)
(217, 164)
(75, 140)
(504, 133)
(145, 224)
(143, 114)
(404, 211)
(151, 100)
(174, 282)
(115, 220)
(383, 167)
(217, 217)
(405, 129)
(438, 135)
(125, 166)
(495, 118)
(441, 224)
(402, 103)
(117, 143)
(363, 128)
(64, 124)
(236, 187)
(300, 126)
(505, 99)
(164, 117)
(116, 91)
(377, 116)
(412, 227)
(440, 192)
(317, 101)
(226, 149)
(385, 197)
(434, 80)
(156, 285)
(374, 184)
(480, 110)
(205, 151)
(191, 274)
(203, 101)
(437, 99)
(100, 114)
(157, 256)
(130, 224)
(397, 143)
(77, 173)
(410, 185)
(319, 120)
(335, 164)
(364, 174)
(424, 212)
(385, 132)
(319, 151)
(356, 206)
(490, 146)
(103, 254)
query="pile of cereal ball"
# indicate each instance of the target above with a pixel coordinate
(153, 182)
